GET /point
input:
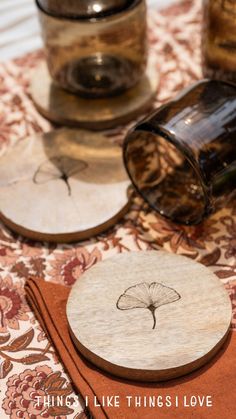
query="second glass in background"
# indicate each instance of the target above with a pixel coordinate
(182, 158)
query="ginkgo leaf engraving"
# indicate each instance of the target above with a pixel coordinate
(59, 167)
(149, 296)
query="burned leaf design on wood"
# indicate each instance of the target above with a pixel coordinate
(59, 168)
(149, 296)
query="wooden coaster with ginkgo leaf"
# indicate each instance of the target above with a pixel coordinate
(149, 316)
(63, 186)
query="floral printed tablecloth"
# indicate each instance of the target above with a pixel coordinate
(28, 363)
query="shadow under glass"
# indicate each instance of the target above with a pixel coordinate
(165, 178)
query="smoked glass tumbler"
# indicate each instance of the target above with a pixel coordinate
(94, 48)
(182, 158)
(219, 39)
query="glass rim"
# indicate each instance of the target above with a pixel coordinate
(84, 19)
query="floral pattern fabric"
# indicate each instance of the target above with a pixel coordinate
(28, 363)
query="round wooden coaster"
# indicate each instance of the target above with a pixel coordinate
(64, 108)
(63, 186)
(148, 316)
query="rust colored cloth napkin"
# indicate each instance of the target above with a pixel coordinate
(217, 379)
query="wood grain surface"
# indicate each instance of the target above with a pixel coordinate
(65, 108)
(63, 186)
(149, 316)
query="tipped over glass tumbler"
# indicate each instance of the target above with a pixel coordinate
(182, 158)
(94, 48)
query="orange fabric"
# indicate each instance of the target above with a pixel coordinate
(217, 379)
